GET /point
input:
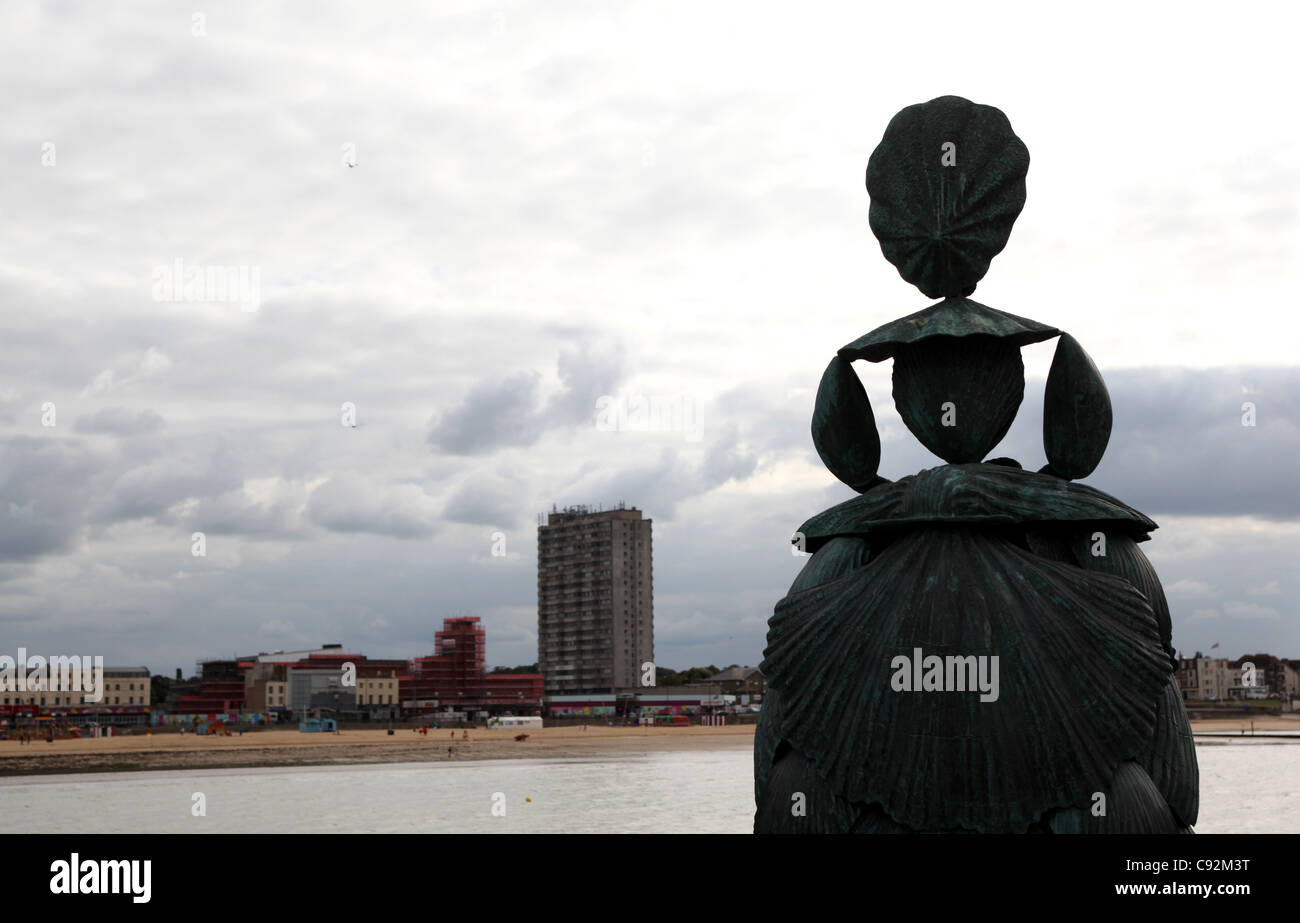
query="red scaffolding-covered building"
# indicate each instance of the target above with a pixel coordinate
(219, 697)
(453, 677)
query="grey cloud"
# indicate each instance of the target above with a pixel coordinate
(489, 501)
(501, 413)
(1179, 446)
(119, 421)
(660, 486)
(657, 487)
(277, 628)
(234, 513)
(45, 485)
(775, 421)
(727, 459)
(1240, 610)
(352, 504)
(152, 488)
(495, 414)
(587, 373)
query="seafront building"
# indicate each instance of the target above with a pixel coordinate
(1220, 679)
(595, 600)
(300, 681)
(331, 681)
(742, 681)
(125, 701)
(735, 688)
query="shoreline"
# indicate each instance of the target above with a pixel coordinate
(290, 748)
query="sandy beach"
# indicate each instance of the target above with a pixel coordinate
(1261, 724)
(292, 748)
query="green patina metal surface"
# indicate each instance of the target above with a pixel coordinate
(947, 182)
(1076, 412)
(952, 317)
(973, 494)
(969, 560)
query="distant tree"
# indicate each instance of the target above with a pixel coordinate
(668, 677)
(159, 687)
(179, 678)
(526, 668)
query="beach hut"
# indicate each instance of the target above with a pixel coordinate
(318, 726)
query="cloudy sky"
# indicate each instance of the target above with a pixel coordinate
(471, 221)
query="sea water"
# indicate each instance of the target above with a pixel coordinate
(1246, 787)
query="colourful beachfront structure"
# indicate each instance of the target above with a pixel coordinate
(125, 700)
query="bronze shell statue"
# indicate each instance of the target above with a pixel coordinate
(975, 648)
